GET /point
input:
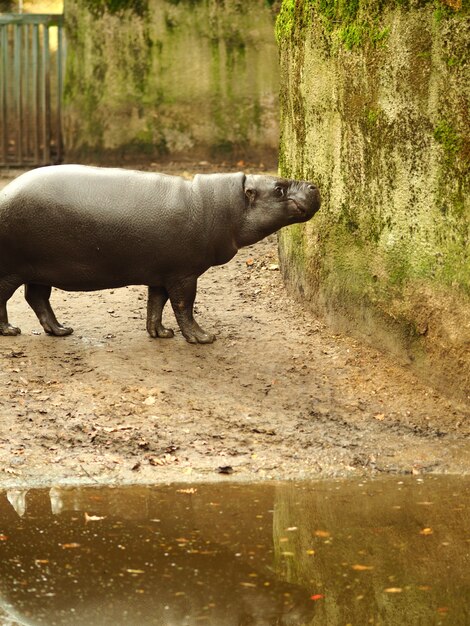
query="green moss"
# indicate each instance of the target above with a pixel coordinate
(372, 116)
(353, 264)
(116, 7)
(285, 20)
(294, 241)
(298, 239)
(351, 35)
(355, 22)
(355, 35)
(379, 35)
(448, 138)
(349, 218)
(442, 12)
(346, 266)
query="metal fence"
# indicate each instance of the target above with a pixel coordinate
(31, 73)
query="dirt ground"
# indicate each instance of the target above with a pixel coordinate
(278, 395)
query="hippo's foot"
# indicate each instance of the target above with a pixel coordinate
(57, 330)
(37, 296)
(182, 294)
(197, 335)
(156, 302)
(8, 330)
(160, 332)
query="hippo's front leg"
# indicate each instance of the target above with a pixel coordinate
(182, 292)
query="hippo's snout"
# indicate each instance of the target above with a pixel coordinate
(305, 197)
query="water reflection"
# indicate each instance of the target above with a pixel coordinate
(382, 552)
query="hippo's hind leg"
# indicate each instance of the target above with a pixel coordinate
(8, 286)
(37, 296)
(157, 298)
(182, 292)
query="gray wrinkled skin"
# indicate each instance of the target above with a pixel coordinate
(82, 228)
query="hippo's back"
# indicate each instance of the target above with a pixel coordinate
(80, 227)
(74, 193)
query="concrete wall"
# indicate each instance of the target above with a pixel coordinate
(375, 109)
(184, 78)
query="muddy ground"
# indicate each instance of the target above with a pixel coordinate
(278, 395)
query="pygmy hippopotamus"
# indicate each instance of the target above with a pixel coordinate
(82, 228)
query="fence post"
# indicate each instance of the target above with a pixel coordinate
(30, 89)
(4, 77)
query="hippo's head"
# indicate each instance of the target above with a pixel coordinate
(272, 202)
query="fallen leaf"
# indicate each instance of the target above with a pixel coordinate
(249, 261)
(115, 429)
(393, 590)
(135, 571)
(362, 568)
(426, 531)
(93, 518)
(379, 416)
(68, 546)
(322, 533)
(166, 459)
(189, 490)
(15, 354)
(3, 537)
(149, 401)
(317, 596)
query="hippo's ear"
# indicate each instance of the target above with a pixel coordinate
(250, 193)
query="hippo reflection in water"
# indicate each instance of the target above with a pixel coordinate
(61, 571)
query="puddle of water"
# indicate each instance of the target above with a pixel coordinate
(392, 552)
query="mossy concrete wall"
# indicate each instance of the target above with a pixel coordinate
(375, 109)
(184, 78)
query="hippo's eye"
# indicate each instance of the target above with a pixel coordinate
(279, 191)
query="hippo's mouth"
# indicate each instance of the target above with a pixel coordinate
(298, 208)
